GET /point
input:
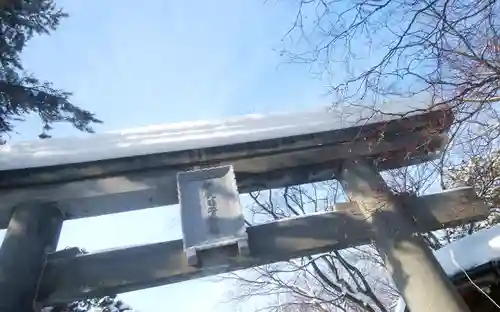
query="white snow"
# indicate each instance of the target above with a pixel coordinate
(188, 135)
(467, 253)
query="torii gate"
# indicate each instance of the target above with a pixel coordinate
(45, 182)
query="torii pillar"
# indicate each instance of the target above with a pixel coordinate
(416, 272)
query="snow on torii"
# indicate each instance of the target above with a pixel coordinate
(191, 135)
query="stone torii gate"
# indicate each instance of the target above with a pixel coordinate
(46, 182)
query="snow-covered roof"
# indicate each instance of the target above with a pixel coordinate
(188, 135)
(467, 253)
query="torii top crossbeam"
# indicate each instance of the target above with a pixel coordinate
(326, 126)
(169, 138)
(266, 152)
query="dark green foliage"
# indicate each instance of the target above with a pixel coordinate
(22, 94)
(105, 304)
(101, 304)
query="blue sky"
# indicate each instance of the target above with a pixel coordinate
(167, 61)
